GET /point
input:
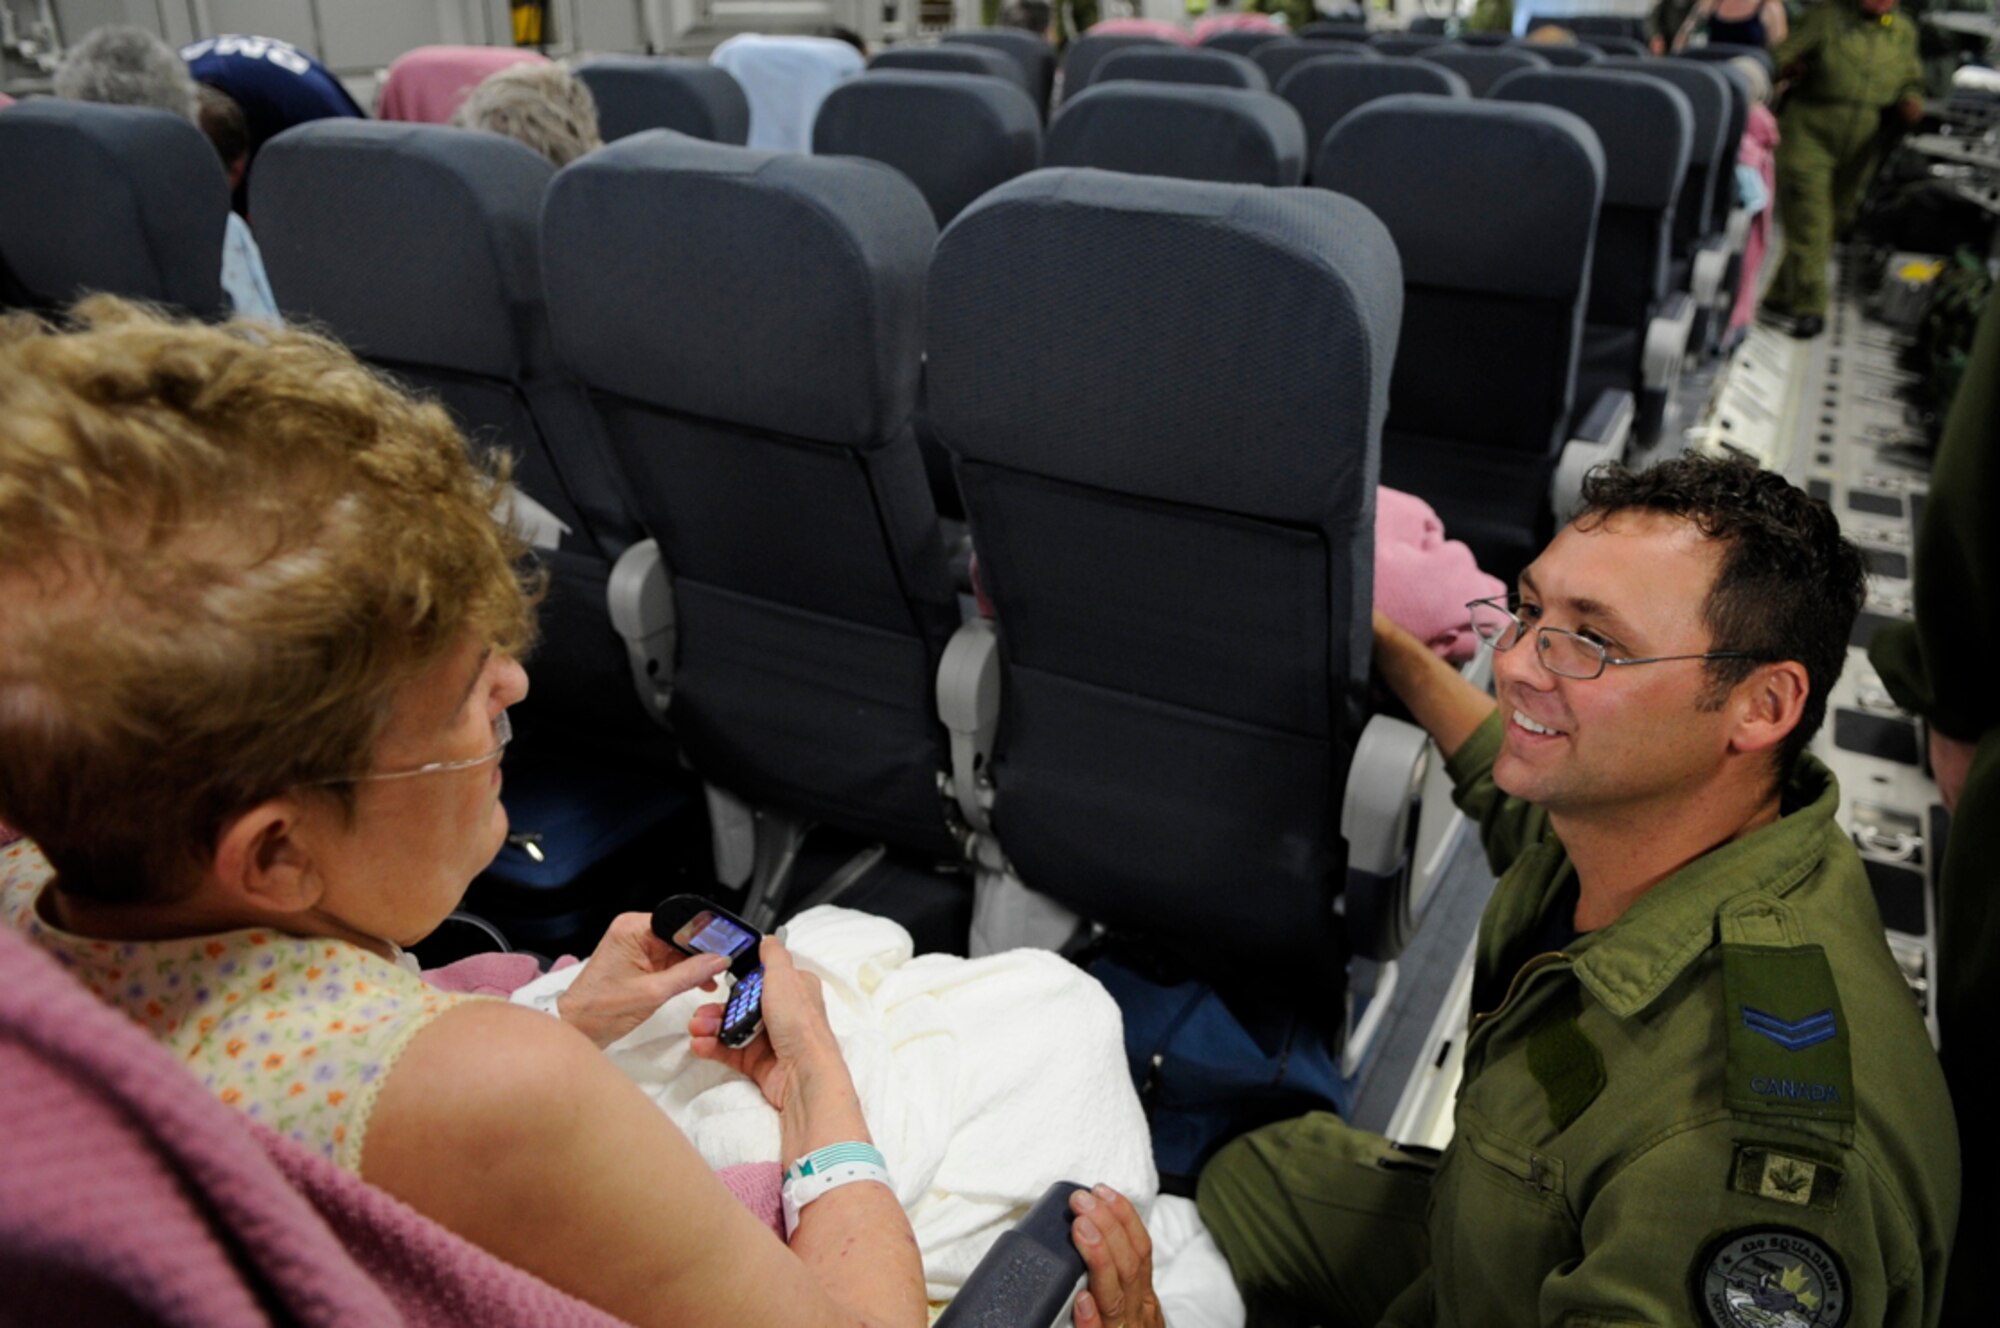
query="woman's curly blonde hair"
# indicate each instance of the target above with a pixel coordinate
(222, 552)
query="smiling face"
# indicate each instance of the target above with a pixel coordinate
(404, 860)
(1634, 738)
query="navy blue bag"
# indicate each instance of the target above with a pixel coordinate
(1209, 1068)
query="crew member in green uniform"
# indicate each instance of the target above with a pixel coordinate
(1848, 62)
(1940, 667)
(1697, 1089)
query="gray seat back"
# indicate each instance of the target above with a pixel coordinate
(1561, 56)
(1482, 67)
(1397, 44)
(1613, 43)
(1031, 52)
(1704, 207)
(1181, 561)
(121, 199)
(1492, 313)
(640, 92)
(1723, 52)
(1281, 58)
(1079, 62)
(953, 135)
(1324, 91)
(1195, 133)
(1328, 30)
(417, 245)
(756, 377)
(957, 58)
(1182, 64)
(1242, 41)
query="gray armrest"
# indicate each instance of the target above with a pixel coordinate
(1604, 435)
(1736, 231)
(1377, 818)
(968, 703)
(1667, 341)
(641, 599)
(1029, 1277)
(1711, 265)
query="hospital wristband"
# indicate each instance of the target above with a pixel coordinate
(826, 1169)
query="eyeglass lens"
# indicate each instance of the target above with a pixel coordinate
(1562, 652)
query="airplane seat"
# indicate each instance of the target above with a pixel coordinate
(1734, 218)
(954, 135)
(1032, 52)
(1614, 43)
(1493, 314)
(957, 58)
(639, 92)
(1428, 25)
(1203, 66)
(121, 199)
(1224, 135)
(1180, 561)
(1484, 38)
(1700, 258)
(1723, 52)
(1335, 31)
(416, 245)
(1563, 57)
(1281, 58)
(1482, 67)
(1401, 44)
(1628, 27)
(1323, 92)
(1245, 42)
(785, 79)
(1080, 60)
(756, 377)
(1637, 333)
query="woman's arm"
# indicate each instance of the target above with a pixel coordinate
(513, 1130)
(1776, 26)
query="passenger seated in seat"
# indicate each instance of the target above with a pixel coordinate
(131, 67)
(544, 106)
(259, 632)
(1697, 1089)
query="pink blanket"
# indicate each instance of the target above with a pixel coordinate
(429, 83)
(1423, 580)
(1758, 151)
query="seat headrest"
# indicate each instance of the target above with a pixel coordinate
(1229, 135)
(1532, 175)
(1182, 64)
(1280, 59)
(1707, 92)
(1324, 91)
(1482, 66)
(1242, 41)
(123, 199)
(1561, 56)
(954, 135)
(1183, 316)
(771, 290)
(957, 58)
(1080, 61)
(413, 242)
(640, 92)
(1035, 56)
(1643, 125)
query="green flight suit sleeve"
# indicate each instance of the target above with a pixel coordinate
(1940, 666)
(1807, 36)
(1746, 1212)
(1508, 827)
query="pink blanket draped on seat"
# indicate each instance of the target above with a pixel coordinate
(428, 84)
(1758, 151)
(1423, 581)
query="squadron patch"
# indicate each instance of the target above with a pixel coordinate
(1771, 1277)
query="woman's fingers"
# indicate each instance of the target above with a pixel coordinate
(1109, 1234)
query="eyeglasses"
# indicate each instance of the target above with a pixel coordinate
(1564, 653)
(503, 733)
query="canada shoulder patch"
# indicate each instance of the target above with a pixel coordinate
(1770, 1277)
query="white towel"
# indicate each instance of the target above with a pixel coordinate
(984, 1081)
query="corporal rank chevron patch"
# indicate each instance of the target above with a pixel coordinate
(1807, 1032)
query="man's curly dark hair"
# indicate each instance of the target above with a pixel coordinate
(1789, 586)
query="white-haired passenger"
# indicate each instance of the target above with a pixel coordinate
(544, 106)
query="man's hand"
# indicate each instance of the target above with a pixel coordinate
(1950, 760)
(1108, 1234)
(632, 974)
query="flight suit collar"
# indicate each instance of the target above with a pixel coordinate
(1627, 965)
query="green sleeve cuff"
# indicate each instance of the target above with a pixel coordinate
(1473, 761)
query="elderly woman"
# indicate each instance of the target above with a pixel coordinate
(542, 105)
(259, 632)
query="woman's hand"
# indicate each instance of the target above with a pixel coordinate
(1951, 761)
(795, 1043)
(1108, 1234)
(632, 974)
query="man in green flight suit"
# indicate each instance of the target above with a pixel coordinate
(1697, 1089)
(1847, 63)
(1940, 667)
